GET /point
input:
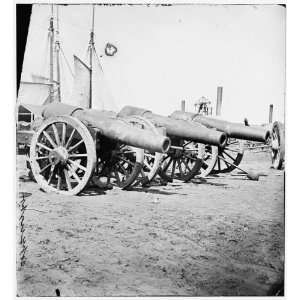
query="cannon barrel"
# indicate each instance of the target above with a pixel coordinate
(111, 126)
(179, 128)
(235, 130)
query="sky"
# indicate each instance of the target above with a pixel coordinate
(171, 53)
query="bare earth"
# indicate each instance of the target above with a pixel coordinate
(224, 236)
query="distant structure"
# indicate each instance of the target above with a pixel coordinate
(183, 105)
(203, 106)
(219, 100)
(271, 113)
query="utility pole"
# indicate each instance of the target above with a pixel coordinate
(51, 33)
(182, 105)
(57, 50)
(91, 49)
(271, 114)
(219, 100)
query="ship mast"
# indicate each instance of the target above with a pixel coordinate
(91, 49)
(57, 50)
(51, 33)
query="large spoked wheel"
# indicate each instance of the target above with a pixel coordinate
(229, 156)
(277, 145)
(152, 160)
(209, 156)
(118, 164)
(181, 162)
(62, 155)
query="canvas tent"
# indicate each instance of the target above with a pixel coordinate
(74, 80)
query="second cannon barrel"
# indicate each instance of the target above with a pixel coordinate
(179, 128)
(235, 130)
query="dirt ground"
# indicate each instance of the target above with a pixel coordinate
(222, 236)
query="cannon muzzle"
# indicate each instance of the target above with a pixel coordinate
(179, 128)
(235, 130)
(111, 126)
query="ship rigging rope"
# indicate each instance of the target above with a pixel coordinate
(105, 82)
(98, 59)
(43, 69)
(66, 60)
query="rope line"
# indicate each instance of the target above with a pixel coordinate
(64, 56)
(99, 63)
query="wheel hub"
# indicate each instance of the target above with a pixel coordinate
(58, 155)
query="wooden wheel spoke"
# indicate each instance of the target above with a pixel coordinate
(168, 164)
(78, 165)
(75, 146)
(189, 157)
(48, 137)
(187, 143)
(228, 155)
(45, 168)
(179, 167)
(173, 168)
(126, 160)
(73, 172)
(59, 181)
(123, 169)
(226, 163)
(67, 178)
(78, 155)
(63, 135)
(51, 174)
(70, 138)
(56, 134)
(147, 165)
(43, 146)
(41, 157)
(165, 157)
(219, 164)
(186, 165)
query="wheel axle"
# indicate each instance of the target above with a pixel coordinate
(58, 155)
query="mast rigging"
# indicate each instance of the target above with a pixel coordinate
(91, 49)
(57, 50)
(51, 33)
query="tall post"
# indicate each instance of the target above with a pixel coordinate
(271, 114)
(57, 50)
(219, 100)
(91, 49)
(182, 105)
(51, 33)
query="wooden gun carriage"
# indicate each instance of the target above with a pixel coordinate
(74, 147)
(226, 159)
(184, 160)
